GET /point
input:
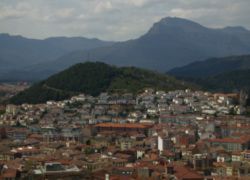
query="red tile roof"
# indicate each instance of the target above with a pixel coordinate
(240, 140)
(182, 172)
(125, 125)
(9, 173)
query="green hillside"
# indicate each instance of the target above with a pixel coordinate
(94, 78)
(212, 67)
(230, 81)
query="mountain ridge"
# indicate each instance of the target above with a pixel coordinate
(166, 48)
(18, 52)
(169, 43)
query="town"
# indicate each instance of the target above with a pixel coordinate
(180, 134)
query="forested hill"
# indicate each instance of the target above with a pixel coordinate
(96, 77)
(213, 67)
(226, 82)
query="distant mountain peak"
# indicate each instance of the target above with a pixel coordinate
(7, 35)
(177, 21)
(173, 23)
(4, 34)
(236, 29)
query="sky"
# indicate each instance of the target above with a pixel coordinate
(115, 20)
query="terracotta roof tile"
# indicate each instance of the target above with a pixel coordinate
(9, 173)
(125, 125)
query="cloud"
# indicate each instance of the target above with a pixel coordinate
(17, 11)
(112, 19)
(190, 13)
(103, 6)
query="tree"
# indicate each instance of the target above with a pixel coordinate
(88, 142)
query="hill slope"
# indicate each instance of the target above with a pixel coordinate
(94, 78)
(212, 67)
(218, 74)
(227, 82)
(171, 42)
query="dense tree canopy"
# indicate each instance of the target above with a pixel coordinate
(94, 78)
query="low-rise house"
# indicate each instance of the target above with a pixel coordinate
(125, 127)
(231, 144)
(17, 133)
(25, 151)
(71, 134)
(56, 170)
(124, 143)
(9, 174)
(96, 162)
(182, 172)
(245, 155)
(202, 162)
(236, 157)
(5, 154)
(50, 134)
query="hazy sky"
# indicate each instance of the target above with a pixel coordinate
(113, 19)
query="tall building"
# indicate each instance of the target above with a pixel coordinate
(160, 143)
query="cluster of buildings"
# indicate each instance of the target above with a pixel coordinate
(181, 134)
